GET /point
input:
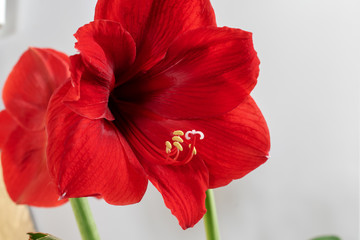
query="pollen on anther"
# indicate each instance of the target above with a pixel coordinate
(178, 146)
(168, 146)
(194, 151)
(177, 139)
(178, 133)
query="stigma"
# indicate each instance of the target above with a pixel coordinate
(182, 149)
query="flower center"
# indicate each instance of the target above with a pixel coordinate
(179, 141)
(178, 151)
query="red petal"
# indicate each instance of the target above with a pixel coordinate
(25, 170)
(93, 96)
(154, 24)
(106, 51)
(7, 125)
(90, 157)
(206, 72)
(183, 189)
(106, 48)
(31, 83)
(234, 144)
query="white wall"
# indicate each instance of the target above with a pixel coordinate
(308, 91)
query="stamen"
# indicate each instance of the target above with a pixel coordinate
(175, 153)
(178, 133)
(178, 146)
(173, 150)
(177, 139)
(194, 151)
(168, 146)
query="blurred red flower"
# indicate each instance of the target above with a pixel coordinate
(159, 93)
(26, 94)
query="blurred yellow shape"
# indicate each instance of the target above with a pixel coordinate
(15, 220)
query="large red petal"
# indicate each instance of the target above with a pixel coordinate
(106, 48)
(89, 98)
(206, 72)
(30, 85)
(182, 186)
(154, 24)
(234, 144)
(25, 171)
(90, 157)
(183, 189)
(7, 126)
(106, 51)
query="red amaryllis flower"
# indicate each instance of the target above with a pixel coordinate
(158, 93)
(22, 126)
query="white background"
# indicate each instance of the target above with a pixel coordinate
(308, 91)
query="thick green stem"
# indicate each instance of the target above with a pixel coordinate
(210, 218)
(84, 218)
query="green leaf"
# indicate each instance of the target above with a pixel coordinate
(326, 238)
(42, 236)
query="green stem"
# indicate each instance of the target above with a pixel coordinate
(84, 218)
(210, 218)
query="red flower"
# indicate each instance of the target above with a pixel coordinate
(148, 74)
(22, 126)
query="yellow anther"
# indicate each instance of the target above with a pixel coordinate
(177, 139)
(194, 151)
(168, 145)
(178, 145)
(178, 133)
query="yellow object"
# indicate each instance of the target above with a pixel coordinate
(15, 220)
(178, 133)
(178, 146)
(177, 139)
